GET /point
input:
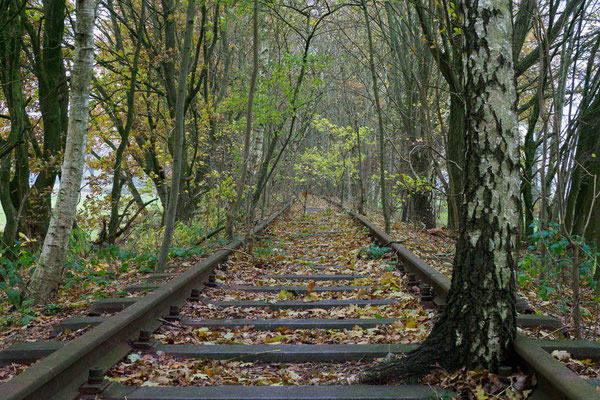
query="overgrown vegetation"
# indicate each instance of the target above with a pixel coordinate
(373, 251)
(92, 270)
(547, 269)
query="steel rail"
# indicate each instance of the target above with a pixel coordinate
(59, 375)
(555, 381)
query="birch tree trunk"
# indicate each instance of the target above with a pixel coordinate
(179, 137)
(47, 277)
(478, 325)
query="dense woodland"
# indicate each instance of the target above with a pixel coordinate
(204, 116)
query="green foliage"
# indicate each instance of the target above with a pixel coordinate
(329, 163)
(185, 252)
(14, 263)
(90, 264)
(79, 243)
(373, 251)
(548, 280)
(26, 312)
(146, 262)
(51, 309)
(267, 247)
(411, 185)
(102, 264)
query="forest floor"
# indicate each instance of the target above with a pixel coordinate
(93, 275)
(295, 244)
(72, 302)
(552, 296)
(324, 240)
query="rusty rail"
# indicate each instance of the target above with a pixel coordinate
(555, 381)
(59, 375)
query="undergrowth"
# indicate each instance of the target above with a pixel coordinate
(90, 268)
(546, 271)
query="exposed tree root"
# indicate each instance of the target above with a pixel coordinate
(438, 349)
(411, 368)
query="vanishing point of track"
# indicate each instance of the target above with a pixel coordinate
(77, 369)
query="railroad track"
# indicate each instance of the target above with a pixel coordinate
(67, 366)
(555, 381)
(304, 287)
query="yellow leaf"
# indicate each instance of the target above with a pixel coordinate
(275, 339)
(412, 324)
(480, 393)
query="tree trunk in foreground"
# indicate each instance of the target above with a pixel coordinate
(161, 263)
(47, 277)
(478, 326)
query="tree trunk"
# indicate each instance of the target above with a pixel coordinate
(47, 277)
(11, 195)
(161, 263)
(478, 325)
(384, 201)
(527, 183)
(456, 158)
(10, 212)
(584, 191)
(361, 198)
(124, 130)
(242, 179)
(51, 76)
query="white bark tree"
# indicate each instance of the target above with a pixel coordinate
(478, 325)
(48, 274)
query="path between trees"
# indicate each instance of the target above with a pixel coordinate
(317, 302)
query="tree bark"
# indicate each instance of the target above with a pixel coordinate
(361, 199)
(124, 130)
(455, 158)
(529, 149)
(12, 191)
(478, 325)
(178, 139)
(244, 167)
(51, 76)
(47, 277)
(384, 200)
(584, 192)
